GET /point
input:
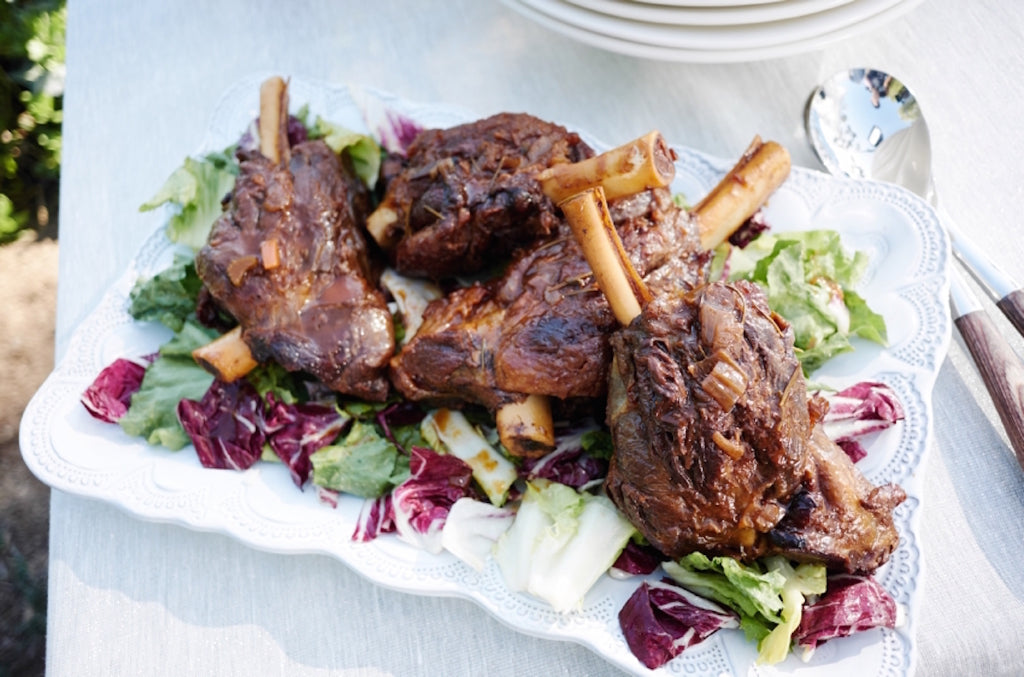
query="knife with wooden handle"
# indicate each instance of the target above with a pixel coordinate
(1001, 369)
(1004, 291)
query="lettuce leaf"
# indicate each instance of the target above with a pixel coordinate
(364, 150)
(272, 380)
(809, 279)
(192, 335)
(802, 581)
(197, 189)
(364, 463)
(768, 594)
(174, 376)
(472, 528)
(754, 593)
(169, 297)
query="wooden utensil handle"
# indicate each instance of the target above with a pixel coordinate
(1012, 306)
(1001, 370)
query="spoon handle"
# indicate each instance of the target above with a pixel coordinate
(1012, 306)
(1007, 294)
(1000, 367)
(996, 282)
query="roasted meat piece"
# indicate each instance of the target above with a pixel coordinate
(290, 262)
(544, 326)
(557, 323)
(465, 198)
(450, 360)
(716, 447)
(837, 515)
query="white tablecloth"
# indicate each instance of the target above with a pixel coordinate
(128, 597)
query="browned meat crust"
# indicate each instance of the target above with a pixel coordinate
(715, 447)
(465, 198)
(451, 358)
(316, 308)
(544, 326)
(838, 516)
(557, 324)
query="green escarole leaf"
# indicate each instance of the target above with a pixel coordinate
(197, 189)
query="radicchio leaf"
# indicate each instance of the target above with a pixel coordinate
(661, 619)
(109, 396)
(297, 430)
(376, 517)
(328, 496)
(567, 464)
(422, 502)
(749, 229)
(638, 559)
(850, 604)
(398, 414)
(397, 135)
(859, 410)
(226, 425)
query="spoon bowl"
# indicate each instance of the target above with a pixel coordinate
(867, 124)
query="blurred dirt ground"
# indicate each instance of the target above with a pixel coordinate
(28, 287)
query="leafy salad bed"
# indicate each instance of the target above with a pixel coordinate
(440, 480)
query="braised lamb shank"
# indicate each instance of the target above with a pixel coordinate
(544, 327)
(289, 261)
(557, 324)
(717, 448)
(463, 198)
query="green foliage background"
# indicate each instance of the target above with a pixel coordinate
(31, 99)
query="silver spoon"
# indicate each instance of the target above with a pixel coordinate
(865, 123)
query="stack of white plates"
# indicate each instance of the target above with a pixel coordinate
(711, 31)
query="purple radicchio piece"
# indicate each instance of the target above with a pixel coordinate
(660, 620)
(226, 425)
(327, 496)
(110, 394)
(422, 502)
(567, 464)
(850, 604)
(376, 517)
(637, 560)
(398, 133)
(749, 230)
(398, 414)
(859, 410)
(295, 431)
